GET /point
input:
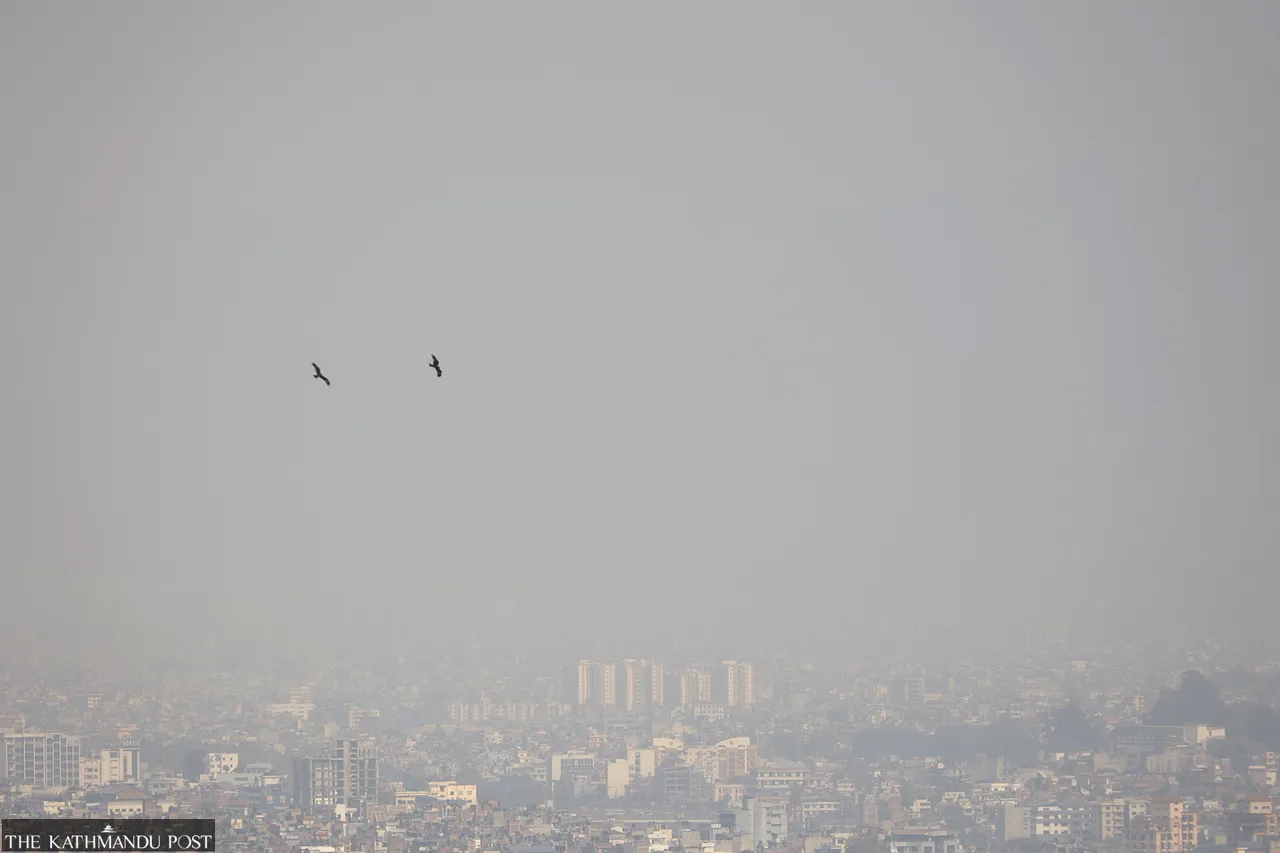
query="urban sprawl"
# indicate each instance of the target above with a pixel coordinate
(1047, 753)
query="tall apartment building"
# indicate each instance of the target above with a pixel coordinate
(657, 685)
(639, 684)
(1166, 815)
(631, 686)
(1110, 819)
(606, 690)
(346, 775)
(695, 686)
(42, 759)
(736, 756)
(586, 681)
(739, 684)
(597, 683)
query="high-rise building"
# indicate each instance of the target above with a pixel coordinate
(1165, 814)
(597, 683)
(42, 759)
(695, 686)
(739, 684)
(657, 682)
(586, 681)
(631, 687)
(346, 775)
(639, 684)
(606, 690)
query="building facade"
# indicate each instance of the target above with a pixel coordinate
(42, 759)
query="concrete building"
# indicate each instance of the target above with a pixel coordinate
(923, 841)
(1145, 739)
(574, 764)
(1165, 815)
(42, 759)
(597, 683)
(617, 776)
(782, 776)
(739, 684)
(1200, 734)
(1110, 819)
(768, 821)
(119, 766)
(586, 681)
(1063, 820)
(695, 686)
(1142, 836)
(643, 763)
(451, 791)
(344, 779)
(640, 685)
(221, 762)
(736, 756)
(1014, 824)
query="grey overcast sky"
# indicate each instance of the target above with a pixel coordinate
(761, 323)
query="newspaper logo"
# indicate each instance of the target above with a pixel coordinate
(152, 835)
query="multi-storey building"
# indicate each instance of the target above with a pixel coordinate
(639, 684)
(121, 765)
(924, 841)
(597, 683)
(1066, 820)
(42, 759)
(586, 681)
(451, 791)
(739, 684)
(346, 776)
(1142, 836)
(575, 764)
(1165, 814)
(606, 689)
(1110, 817)
(642, 762)
(735, 757)
(695, 686)
(221, 762)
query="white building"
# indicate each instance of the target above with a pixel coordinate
(923, 841)
(122, 765)
(42, 759)
(617, 775)
(739, 684)
(216, 763)
(574, 764)
(642, 763)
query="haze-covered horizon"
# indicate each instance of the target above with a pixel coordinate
(761, 326)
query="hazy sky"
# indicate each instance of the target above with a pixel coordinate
(759, 321)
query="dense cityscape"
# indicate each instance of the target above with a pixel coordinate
(641, 756)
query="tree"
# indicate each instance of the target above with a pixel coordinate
(1071, 730)
(1254, 725)
(1196, 700)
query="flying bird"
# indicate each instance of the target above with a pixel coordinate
(319, 375)
(435, 364)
